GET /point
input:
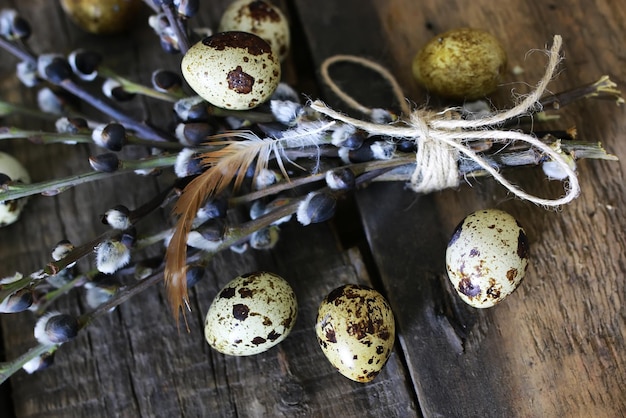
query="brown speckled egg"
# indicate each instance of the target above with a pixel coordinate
(251, 314)
(356, 331)
(232, 70)
(261, 18)
(487, 257)
(102, 16)
(461, 64)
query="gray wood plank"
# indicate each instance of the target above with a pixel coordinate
(540, 353)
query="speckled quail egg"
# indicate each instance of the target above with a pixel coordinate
(232, 70)
(462, 63)
(261, 18)
(102, 16)
(251, 314)
(356, 331)
(487, 257)
(10, 210)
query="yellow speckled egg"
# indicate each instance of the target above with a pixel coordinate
(487, 257)
(356, 331)
(232, 70)
(102, 16)
(251, 314)
(261, 18)
(462, 63)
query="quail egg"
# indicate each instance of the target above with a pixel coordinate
(102, 16)
(356, 331)
(251, 314)
(462, 63)
(232, 70)
(487, 257)
(10, 210)
(261, 18)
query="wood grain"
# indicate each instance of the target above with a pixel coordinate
(554, 348)
(134, 362)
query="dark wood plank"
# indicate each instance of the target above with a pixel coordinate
(134, 362)
(555, 348)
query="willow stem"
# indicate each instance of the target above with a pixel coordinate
(16, 51)
(9, 368)
(70, 86)
(179, 27)
(53, 187)
(49, 298)
(142, 129)
(603, 88)
(132, 87)
(7, 108)
(288, 184)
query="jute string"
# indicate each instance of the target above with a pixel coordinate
(442, 138)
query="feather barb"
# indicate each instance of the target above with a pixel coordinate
(226, 165)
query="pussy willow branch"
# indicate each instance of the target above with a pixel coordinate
(16, 191)
(39, 137)
(9, 368)
(130, 86)
(50, 297)
(601, 89)
(70, 86)
(143, 130)
(236, 234)
(85, 249)
(233, 236)
(177, 25)
(357, 168)
(142, 243)
(369, 172)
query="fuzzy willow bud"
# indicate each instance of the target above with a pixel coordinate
(107, 162)
(56, 328)
(316, 207)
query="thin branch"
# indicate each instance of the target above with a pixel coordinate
(52, 187)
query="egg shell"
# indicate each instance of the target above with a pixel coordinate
(356, 331)
(261, 18)
(251, 314)
(232, 70)
(462, 63)
(10, 210)
(102, 16)
(487, 257)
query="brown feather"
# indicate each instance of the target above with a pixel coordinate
(225, 165)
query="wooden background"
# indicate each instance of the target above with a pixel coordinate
(555, 348)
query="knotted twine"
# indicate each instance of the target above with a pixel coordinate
(442, 137)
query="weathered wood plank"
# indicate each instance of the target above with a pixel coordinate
(134, 362)
(556, 347)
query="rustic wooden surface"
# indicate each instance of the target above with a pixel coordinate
(555, 348)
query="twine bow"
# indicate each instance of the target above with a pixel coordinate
(442, 139)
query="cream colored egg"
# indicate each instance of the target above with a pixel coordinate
(10, 210)
(251, 314)
(261, 18)
(232, 70)
(356, 331)
(462, 63)
(487, 257)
